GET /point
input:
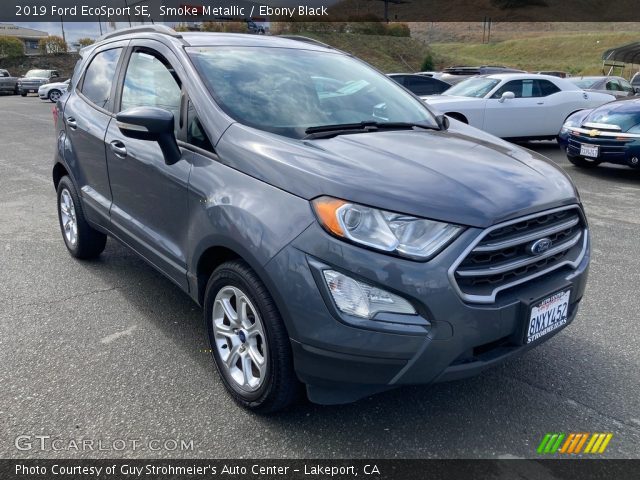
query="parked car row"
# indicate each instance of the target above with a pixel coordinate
(35, 81)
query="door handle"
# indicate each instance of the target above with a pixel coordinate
(71, 123)
(118, 148)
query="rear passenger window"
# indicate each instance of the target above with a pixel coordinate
(547, 88)
(150, 81)
(99, 77)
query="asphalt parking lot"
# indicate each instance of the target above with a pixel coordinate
(110, 350)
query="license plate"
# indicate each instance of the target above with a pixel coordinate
(589, 151)
(548, 315)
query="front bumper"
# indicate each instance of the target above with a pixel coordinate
(611, 150)
(343, 358)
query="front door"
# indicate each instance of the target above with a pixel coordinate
(149, 210)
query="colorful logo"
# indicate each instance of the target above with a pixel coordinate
(574, 443)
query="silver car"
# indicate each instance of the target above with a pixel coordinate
(53, 91)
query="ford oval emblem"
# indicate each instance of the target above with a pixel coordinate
(540, 246)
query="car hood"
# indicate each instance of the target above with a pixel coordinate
(461, 176)
(449, 99)
(55, 85)
(624, 113)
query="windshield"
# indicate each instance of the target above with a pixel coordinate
(584, 82)
(37, 74)
(477, 87)
(286, 91)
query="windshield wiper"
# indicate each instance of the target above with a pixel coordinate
(327, 131)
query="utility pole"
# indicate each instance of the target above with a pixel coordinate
(62, 24)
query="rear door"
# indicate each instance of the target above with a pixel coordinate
(87, 114)
(149, 210)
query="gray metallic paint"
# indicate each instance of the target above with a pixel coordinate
(252, 197)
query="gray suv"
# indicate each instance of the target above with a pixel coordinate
(344, 242)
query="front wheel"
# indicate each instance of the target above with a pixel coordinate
(249, 342)
(82, 240)
(582, 162)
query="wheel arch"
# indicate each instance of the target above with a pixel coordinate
(458, 116)
(59, 171)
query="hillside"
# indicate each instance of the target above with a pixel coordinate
(389, 54)
(574, 53)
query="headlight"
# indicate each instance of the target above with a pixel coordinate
(363, 300)
(404, 235)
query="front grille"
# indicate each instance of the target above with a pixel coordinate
(502, 257)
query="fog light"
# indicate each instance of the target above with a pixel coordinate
(362, 300)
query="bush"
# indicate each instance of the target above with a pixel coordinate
(85, 42)
(11, 47)
(398, 30)
(428, 64)
(52, 45)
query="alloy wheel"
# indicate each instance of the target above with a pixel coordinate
(239, 338)
(68, 217)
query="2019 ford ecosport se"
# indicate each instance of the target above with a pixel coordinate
(348, 241)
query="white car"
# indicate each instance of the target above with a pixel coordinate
(516, 105)
(53, 91)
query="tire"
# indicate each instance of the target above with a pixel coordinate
(16, 91)
(244, 340)
(24, 94)
(82, 240)
(54, 95)
(581, 162)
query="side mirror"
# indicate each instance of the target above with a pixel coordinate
(443, 122)
(154, 125)
(507, 96)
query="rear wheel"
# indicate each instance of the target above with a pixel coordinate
(82, 240)
(24, 94)
(582, 162)
(248, 339)
(54, 95)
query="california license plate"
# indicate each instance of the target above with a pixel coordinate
(589, 150)
(548, 315)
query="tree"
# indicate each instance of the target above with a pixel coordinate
(11, 47)
(52, 45)
(427, 64)
(85, 42)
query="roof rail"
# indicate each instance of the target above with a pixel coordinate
(301, 38)
(163, 29)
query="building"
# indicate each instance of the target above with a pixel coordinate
(27, 36)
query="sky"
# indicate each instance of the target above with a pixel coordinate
(73, 30)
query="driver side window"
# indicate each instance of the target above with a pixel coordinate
(150, 81)
(520, 88)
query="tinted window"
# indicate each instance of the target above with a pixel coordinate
(521, 89)
(99, 77)
(626, 86)
(613, 85)
(424, 86)
(273, 89)
(150, 81)
(547, 88)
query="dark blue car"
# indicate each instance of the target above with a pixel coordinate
(610, 133)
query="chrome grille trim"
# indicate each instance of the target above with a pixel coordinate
(491, 247)
(488, 299)
(505, 267)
